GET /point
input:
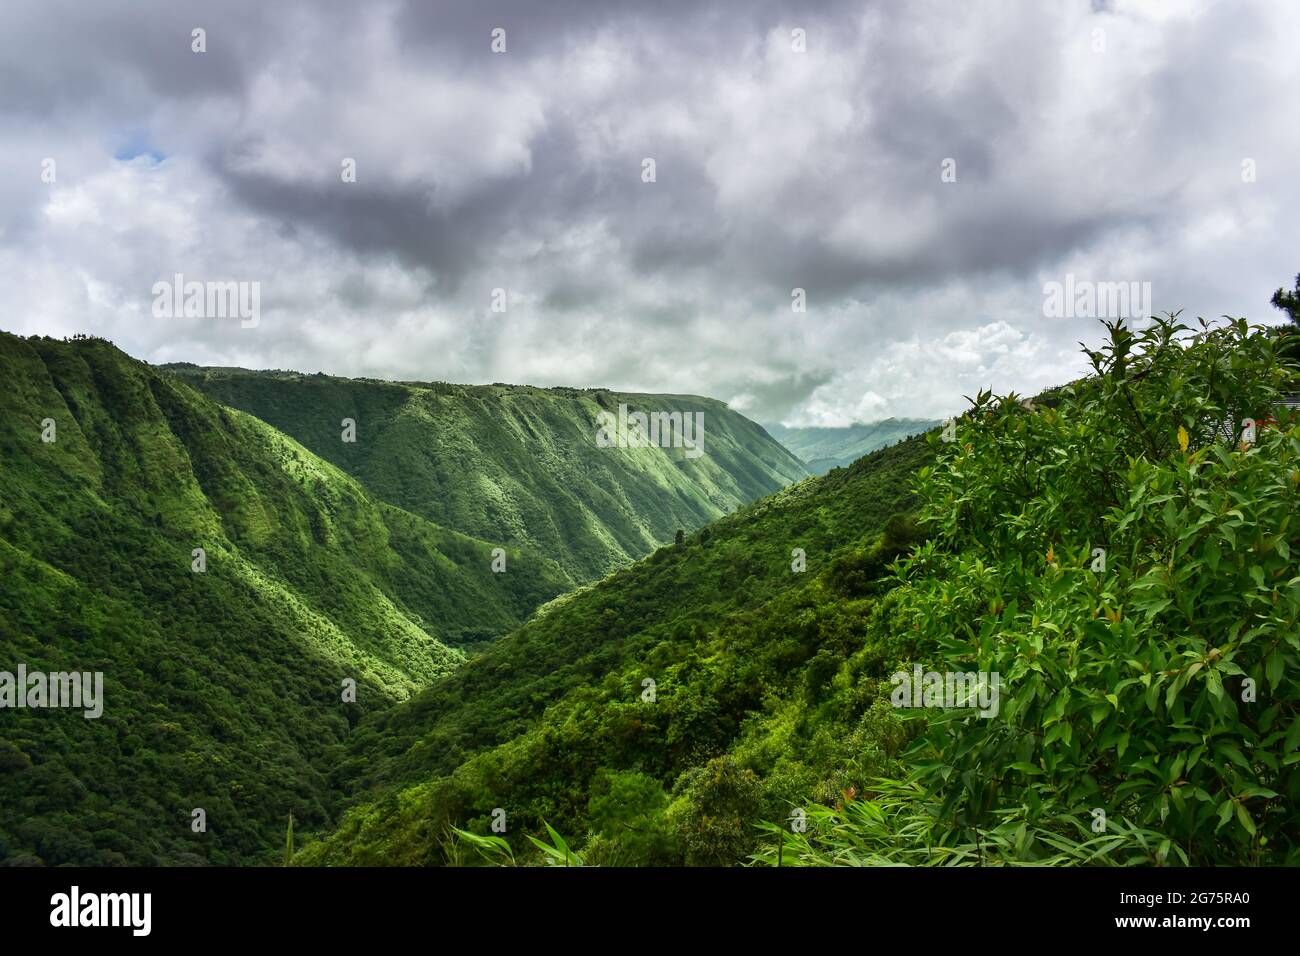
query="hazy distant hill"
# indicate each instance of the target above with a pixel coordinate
(822, 449)
(518, 464)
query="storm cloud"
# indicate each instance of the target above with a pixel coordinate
(794, 147)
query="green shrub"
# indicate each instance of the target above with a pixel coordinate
(1156, 691)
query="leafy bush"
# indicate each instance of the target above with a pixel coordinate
(1125, 561)
(712, 813)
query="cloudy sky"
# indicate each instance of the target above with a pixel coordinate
(1108, 141)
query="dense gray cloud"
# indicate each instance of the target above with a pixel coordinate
(1100, 140)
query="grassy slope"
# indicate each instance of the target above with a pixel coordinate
(222, 689)
(1157, 685)
(822, 449)
(518, 464)
(732, 637)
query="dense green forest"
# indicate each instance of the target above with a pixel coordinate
(1120, 552)
(223, 687)
(722, 623)
(1149, 711)
(518, 464)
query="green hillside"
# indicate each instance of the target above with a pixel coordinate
(821, 449)
(222, 689)
(1149, 708)
(552, 715)
(519, 465)
(1120, 554)
(1125, 559)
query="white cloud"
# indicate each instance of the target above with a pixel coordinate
(775, 169)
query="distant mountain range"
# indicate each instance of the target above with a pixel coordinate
(821, 449)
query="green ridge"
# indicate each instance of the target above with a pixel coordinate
(222, 689)
(519, 465)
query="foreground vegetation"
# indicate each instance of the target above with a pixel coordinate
(1127, 562)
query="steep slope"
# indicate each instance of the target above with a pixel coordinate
(1120, 565)
(222, 688)
(821, 449)
(1111, 570)
(519, 465)
(554, 718)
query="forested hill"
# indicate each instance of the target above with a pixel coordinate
(738, 627)
(1120, 557)
(1116, 564)
(222, 685)
(517, 464)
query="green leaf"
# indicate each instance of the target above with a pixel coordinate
(1213, 555)
(1214, 683)
(1243, 817)
(1028, 768)
(1292, 736)
(1233, 754)
(1257, 792)
(1273, 667)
